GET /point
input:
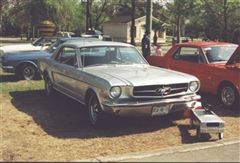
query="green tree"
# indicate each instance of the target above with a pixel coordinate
(66, 14)
(222, 17)
(179, 11)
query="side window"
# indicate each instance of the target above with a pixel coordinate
(189, 54)
(67, 55)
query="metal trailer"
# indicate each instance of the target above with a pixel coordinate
(206, 121)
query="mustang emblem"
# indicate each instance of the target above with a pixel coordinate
(163, 90)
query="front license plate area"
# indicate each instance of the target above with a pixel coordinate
(160, 110)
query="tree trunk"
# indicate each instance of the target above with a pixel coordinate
(225, 21)
(178, 29)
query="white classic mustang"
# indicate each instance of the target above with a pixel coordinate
(112, 77)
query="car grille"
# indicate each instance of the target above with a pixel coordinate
(159, 90)
(212, 124)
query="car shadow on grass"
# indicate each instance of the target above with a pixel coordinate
(63, 117)
(189, 135)
(8, 78)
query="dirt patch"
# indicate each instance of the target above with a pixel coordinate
(36, 128)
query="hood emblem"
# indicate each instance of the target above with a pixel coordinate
(163, 91)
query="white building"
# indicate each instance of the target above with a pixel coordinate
(119, 29)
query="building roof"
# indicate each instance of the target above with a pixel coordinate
(127, 19)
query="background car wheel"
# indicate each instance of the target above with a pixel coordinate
(94, 111)
(229, 96)
(28, 72)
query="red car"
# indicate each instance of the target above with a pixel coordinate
(216, 64)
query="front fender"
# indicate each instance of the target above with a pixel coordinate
(26, 62)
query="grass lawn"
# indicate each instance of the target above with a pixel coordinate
(39, 128)
(9, 83)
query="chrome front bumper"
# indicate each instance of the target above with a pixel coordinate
(9, 69)
(148, 108)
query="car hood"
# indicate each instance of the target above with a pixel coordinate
(138, 75)
(26, 55)
(224, 65)
(21, 47)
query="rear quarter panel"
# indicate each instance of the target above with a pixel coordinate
(162, 61)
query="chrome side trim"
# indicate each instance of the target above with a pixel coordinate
(7, 67)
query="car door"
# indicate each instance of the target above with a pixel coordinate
(190, 60)
(65, 70)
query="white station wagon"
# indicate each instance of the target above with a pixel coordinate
(112, 77)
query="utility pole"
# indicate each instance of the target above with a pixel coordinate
(1, 27)
(90, 14)
(149, 17)
(87, 15)
(133, 27)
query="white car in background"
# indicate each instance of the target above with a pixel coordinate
(40, 43)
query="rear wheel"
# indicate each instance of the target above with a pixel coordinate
(229, 96)
(94, 110)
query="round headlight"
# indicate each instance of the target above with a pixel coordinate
(115, 92)
(194, 86)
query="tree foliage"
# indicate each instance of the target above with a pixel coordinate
(215, 19)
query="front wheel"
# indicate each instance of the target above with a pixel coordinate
(48, 86)
(29, 72)
(229, 96)
(94, 111)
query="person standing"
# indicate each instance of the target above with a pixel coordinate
(158, 50)
(146, 45)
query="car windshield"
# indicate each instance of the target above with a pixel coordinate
(37, 41)
(219, 53)
(44, 41)
(92, 56)
(53, 46)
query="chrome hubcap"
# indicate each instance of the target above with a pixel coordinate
(228, 96)
(28, 72)
(93, 110)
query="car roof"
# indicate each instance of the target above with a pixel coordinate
(203, 43)
(69, 38)
(90, 43)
